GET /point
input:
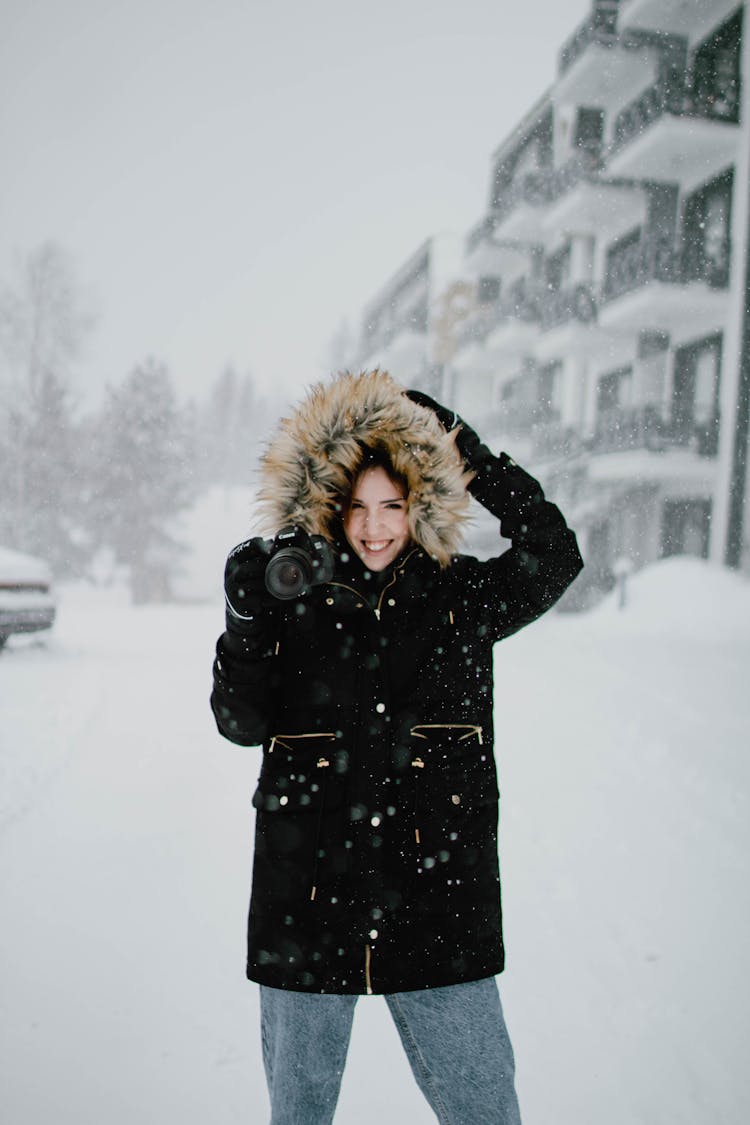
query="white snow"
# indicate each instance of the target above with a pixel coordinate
(125, 850)
(17, 567)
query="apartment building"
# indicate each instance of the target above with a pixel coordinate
(409, 324)
(595, 323)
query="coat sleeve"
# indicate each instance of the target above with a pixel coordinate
(245, 675)
(521, 584)
(245, 668)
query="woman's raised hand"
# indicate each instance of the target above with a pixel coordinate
(468, 442)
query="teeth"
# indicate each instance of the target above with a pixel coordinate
(378, 545)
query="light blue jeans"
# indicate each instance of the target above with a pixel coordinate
(455, 1039)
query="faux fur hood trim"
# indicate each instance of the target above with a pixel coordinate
(314, 454)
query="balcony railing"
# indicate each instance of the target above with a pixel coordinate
(598, 28)
(415, 321)
(576, 302)
(654, 257)
(646, 428)
(540, 187)
(650, 258)
(531, 188)
(671, 95)
(521, 302)
(551, 439)
(583, 165)
(479, 234)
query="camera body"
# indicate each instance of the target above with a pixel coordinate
(297, 562)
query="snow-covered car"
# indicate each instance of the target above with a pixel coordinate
(27, 603)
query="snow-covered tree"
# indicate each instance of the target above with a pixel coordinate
(230, 427)
(41, 466)
(43, 323)
(142, 478)
(44, 319)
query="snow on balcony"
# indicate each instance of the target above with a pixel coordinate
(600, 67)
(677, 17)
(585, 200)
(667, 134)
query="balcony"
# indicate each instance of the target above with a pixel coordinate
(560, 306)
(479, 235)
(485, 256)
(400, 345)
(598, 66)
(645, 428)
(511, 426)
(517, 211)
(516, 320)
(568, 318)
(475, 328)
(677, 17)
(638, 261)
(508, 326)
(552, 441)
(582, 199)
(650, 286)
(669, 133)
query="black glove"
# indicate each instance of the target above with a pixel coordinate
(448, 419)
(468, 443)
(244, 584)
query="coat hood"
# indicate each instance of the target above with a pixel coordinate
(308, 466)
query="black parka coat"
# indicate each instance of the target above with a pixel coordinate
(376, 866)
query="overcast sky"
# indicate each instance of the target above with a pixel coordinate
(233, 178)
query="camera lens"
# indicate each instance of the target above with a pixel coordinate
(288, 573)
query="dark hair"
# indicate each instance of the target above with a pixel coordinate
(377, 457)
(373, 457)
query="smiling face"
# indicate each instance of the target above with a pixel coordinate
(376, 524)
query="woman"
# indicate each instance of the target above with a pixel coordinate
(376, 865)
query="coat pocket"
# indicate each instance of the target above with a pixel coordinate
(297, 769)
(300, 793)
(455, 796)
(451, 767)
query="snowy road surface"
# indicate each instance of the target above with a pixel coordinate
(125, 849)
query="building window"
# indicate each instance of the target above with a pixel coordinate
(624, 264)
(548, 380)
(488, 290)
(589, 131)
(613, 392)
(706, 233)
(516, 405)
(529, 157)
(557, 269)
(685, 528)
(599, 555)
(716, 72)
(695, 396)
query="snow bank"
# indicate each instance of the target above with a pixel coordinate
(125, 850)
(685, 597)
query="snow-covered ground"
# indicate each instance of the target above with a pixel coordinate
(125, 849)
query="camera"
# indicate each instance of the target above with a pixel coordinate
(298, 561)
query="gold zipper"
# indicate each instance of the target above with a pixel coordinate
(470, 728)
(382, 595)
(418, 764)
(343, 586)
(313, 734)
(368, 978)
(363, 599)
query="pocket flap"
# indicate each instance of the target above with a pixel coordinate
(448, 732)
(452, 769)
(301, 772)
